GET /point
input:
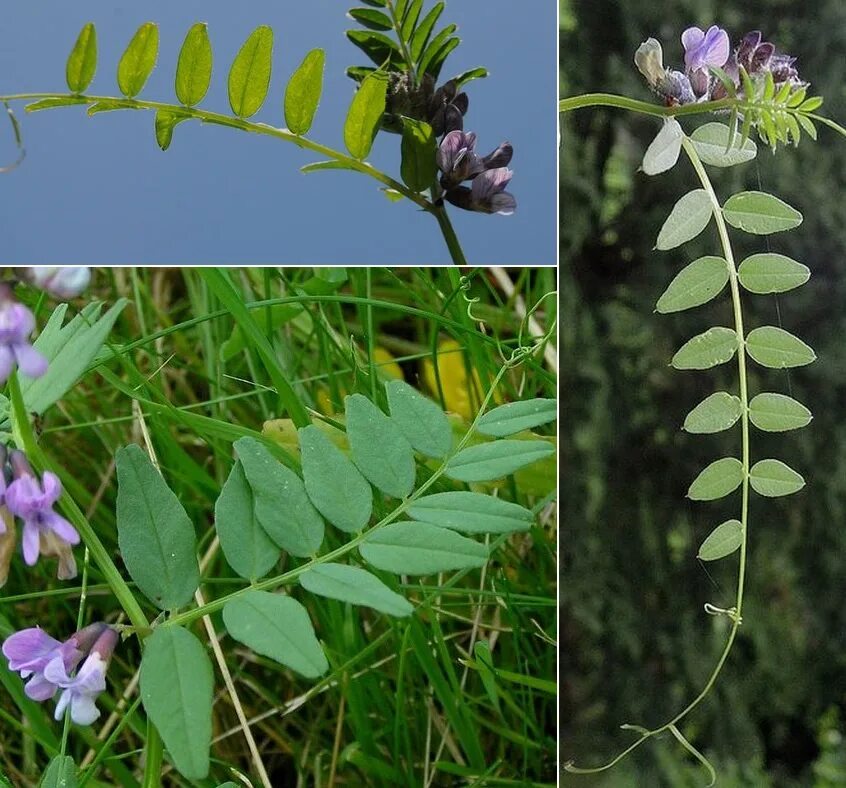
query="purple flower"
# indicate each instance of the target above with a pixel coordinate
(66, 282)
(80, 691)
(31, 650)
(458, 160)
(16, 325)
(486, 194)
(704, 49)
(33, 503)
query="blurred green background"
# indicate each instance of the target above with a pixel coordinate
(636, 644)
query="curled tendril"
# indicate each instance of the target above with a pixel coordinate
(16, 130)
(537, 341)
(464, 285)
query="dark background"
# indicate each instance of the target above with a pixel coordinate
(636, 645)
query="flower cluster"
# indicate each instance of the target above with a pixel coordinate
(47, 663)
(444, 109)
(488, 175)
(706, 50)
(46, 533)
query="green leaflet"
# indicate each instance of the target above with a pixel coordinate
(760, 213)
(778, 413)
(425, 426)
(694, 285)
(82, 61)
(302, 95)
(194, 67)
(247, 547)
(249, 76)
(424, 30)
(371, 18)
(472, 513)
(334, 485)
(418, 150)
(378, 447)
(365, 115)
(356, 586)
(176, 690)
(778, 349)
(717, 412)
(714, 346)
(138, 60)
(772, 478)
(281, 504)
(772, 273)
(69, 349)
(155, 535)
(722, 541)
(489, 461)
(712, 144)
(515, 417)
(719, 479)
(60, 773)
(663, 151)
(165, 123)
(278, 627)
(414, 548)
(689, 217)
(377, 46)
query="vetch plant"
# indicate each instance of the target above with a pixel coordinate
(755, 89)
(406, 42)
(355, 507)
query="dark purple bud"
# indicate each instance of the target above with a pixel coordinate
(500, 157)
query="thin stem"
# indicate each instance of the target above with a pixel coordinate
(114, 102)
(220, 119)
(452, 242)
(25, 438)
(406, 52)
(734, 286)
(643, 107)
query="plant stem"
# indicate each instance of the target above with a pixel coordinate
(643, 107)
(455, 251)
(25, 438)
(115, 102)
(406, 53)
(734, 286)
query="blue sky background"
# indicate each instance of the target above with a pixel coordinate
(99, 191)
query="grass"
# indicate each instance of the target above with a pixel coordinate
(201, 357)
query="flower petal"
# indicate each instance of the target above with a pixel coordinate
(29, 646)
(83, 710)
(30, 361)
(30, 543)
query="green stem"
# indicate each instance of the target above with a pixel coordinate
(455, 251)
(153, 752)
(734, 286)
(643, 107)
(220, 119)
(233, 122)
(25, 439)
(270, 583)
(406, 52)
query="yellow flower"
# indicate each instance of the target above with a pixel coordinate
(454, 381)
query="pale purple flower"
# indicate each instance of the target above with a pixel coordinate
(703, 49)
(31, 650)
(16, 325)
(60, 282)
(486, 194)
(33, 501)
(80, 691)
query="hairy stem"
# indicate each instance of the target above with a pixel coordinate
(734, 286)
